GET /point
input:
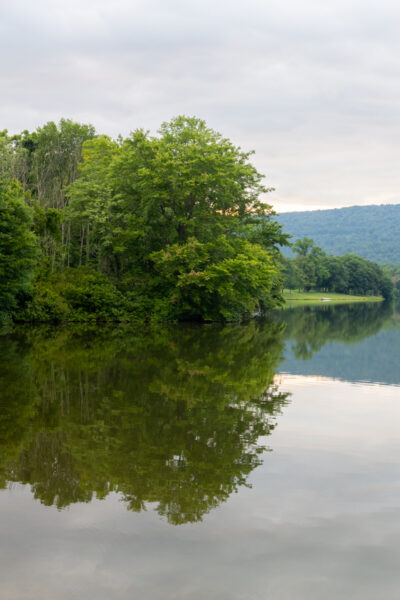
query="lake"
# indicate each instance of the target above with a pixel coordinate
(237, 462)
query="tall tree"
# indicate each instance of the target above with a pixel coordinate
(186, 213)
(57, 153)
(89, 200)
(18, 246)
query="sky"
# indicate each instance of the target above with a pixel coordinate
(311, 86)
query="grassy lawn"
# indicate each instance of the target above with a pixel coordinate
(295, 298)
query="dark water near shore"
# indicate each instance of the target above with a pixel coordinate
(220, 462)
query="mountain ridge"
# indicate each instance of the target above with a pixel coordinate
(371, 231)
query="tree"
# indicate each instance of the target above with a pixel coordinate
(186, 214)
(349, 274)
(18, 246)
(291, 274)
(311, 263)
(89, 199)
(57, 153)
(174, 222)
(220, 279)
(303, 247)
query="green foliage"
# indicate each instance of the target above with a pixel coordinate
(312, 269)
(224, 278)
(368, 231)
(167, 227)
(89, 199)
(188, 182)
(55, 159)
(18, 246)
(152, 227)
(79, 294)
(188, 226)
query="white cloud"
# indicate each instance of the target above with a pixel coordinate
(311, 86)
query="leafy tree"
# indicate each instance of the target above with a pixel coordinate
(186, 207)
(15, 157)
(310, 263)
(219, 279)
(18, 246)
(189, 182)
(292, 276)
(302, 247)
(89, 199)
(349, 274)
(57, 153)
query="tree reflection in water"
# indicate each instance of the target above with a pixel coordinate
(312, 327)
(170, 416)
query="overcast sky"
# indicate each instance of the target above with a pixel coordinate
(313, 86)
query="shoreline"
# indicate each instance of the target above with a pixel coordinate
(294, 298)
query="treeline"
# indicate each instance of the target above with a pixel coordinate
(147, 227)
(313, 269)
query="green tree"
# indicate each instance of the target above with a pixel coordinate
(215, 280)
(89, 201)
(311, 264)
(170, 226)
(186, 214)
(18, 245)
(57, 153)
(291, 274)
(303, 247)
(349, 274)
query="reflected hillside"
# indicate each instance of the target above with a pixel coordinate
(171, 416)
(359, 342)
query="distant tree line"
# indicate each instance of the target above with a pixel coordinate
(150, 227)
(313, 269)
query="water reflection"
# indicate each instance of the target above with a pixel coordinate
(171, 416)
(359, 342)
(175, 417)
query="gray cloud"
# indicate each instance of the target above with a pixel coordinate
(311, 86)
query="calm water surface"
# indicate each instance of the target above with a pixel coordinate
(203, 462)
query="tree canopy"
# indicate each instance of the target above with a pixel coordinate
(172, 225)
(18, 250)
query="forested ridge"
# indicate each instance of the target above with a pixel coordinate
(369, 231)
(148, 227)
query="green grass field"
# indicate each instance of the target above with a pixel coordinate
(295, 298)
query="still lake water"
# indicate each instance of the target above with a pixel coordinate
(203, 462)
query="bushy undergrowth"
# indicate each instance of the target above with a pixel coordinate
(77, 295)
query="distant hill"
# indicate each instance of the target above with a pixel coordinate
(369, 231)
